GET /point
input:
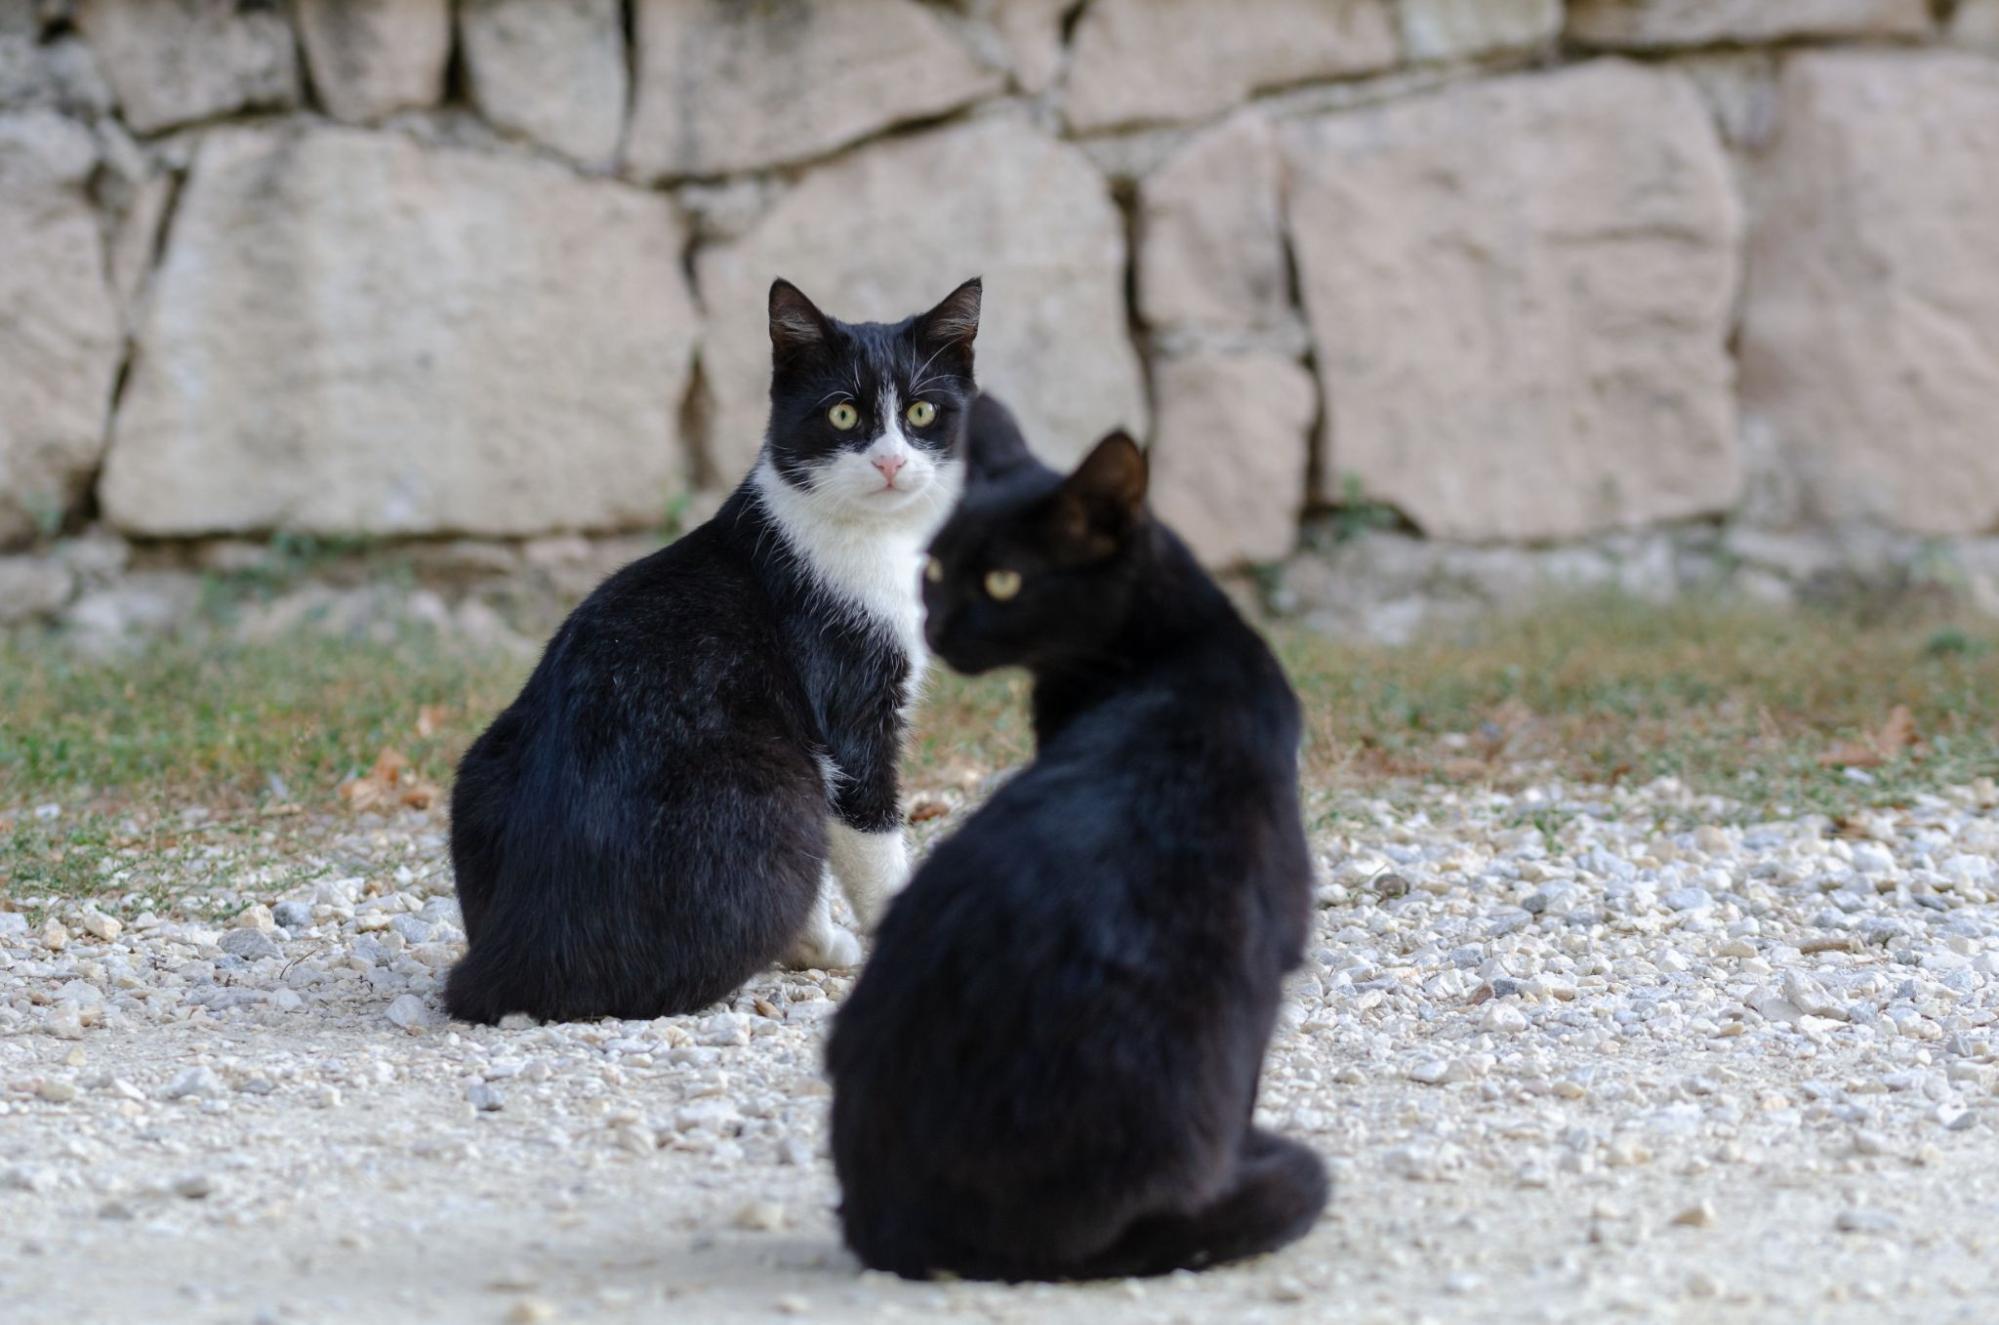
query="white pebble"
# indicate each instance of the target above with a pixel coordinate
(195, 1082)
(761, 1217)
(409, 1012)
(98, 925)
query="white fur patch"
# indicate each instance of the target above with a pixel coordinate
(864, 542)
(823, 945)
(873, 867)
(830, 775)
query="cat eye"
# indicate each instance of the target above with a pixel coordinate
(1002, 584)
(921, 413)
(933, 570)
(843, 416)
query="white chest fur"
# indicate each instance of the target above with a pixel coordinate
(871, 565)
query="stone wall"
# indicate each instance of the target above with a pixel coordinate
(1518, 271)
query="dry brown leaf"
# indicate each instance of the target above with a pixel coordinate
(429, 720)
(1896, 734)
(1851, 754)
(927, 807)
(389, 782)
(361, 793)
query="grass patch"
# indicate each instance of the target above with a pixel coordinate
(181, 746)
(1773, 711)
(1783, 712)
(236, 725)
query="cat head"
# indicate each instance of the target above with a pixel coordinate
(1034, 567)
(864, 416)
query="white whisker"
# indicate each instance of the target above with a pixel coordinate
(922, 377)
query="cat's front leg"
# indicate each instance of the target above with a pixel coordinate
(823, 945)
(864, 841)
(872, 865)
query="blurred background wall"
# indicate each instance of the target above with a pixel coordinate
(1460, 297)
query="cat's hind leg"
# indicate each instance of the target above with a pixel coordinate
(480, 988)
(1280, 1188)
(873, 867)
(823, 945)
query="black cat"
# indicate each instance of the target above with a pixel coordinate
(1048, 1068)
(648, 824)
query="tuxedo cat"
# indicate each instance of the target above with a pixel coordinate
(1049, 1067)
(649, 823)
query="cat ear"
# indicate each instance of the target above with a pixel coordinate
(954, 323)
(993, 442)
(1099, 505)
(796, 324)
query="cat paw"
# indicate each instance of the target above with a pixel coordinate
(836, 950)
(872, 868)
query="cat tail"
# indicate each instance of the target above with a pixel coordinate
(1279, 1191)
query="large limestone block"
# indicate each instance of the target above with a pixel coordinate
(174, 61)
(1150, 61)
(888, 232)
(1457, 29)
(371, 58)
(1520, 294)
(1664, 23)
(551, 72)
(33, 587)
(1870, 339)
(58, 74)
(39, 67)
(1031, 30)
(1211, 242)
(59, 334)
(1976, 24)
(728, 85)
(1229, 461)
(353, 333)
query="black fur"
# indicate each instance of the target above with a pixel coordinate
(645, 826)
(1049, 1066)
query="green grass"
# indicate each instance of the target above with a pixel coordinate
(248, 735)
(1753, 705)
(234, 726)
(1747, 704)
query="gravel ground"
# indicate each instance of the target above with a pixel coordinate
(1567, 1064)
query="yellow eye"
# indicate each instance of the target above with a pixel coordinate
(920, 413)
(843, 416)
(1002, 584)
(933, 570)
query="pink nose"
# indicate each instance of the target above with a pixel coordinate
(889, 465)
